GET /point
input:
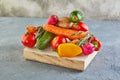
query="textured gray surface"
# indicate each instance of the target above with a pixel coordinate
(93, 9)
(105, 66)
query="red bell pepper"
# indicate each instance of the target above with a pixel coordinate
(97, 44)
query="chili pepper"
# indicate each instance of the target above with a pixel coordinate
(80, 26)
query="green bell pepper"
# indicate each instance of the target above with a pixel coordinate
(76, 16)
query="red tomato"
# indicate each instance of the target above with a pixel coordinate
(80, 26)
(31, 29)
(58, 40)
(28, 40)
(97, 44)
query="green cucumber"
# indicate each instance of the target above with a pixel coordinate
(44, 41)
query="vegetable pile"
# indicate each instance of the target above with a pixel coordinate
(69, 36)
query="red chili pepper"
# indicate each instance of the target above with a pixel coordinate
(80, 26)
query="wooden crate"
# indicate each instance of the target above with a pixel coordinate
(49, 56)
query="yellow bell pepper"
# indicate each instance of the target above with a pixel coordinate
(69, 50)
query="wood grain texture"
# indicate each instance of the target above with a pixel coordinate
(49, 56)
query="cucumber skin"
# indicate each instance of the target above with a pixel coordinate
(44, 41)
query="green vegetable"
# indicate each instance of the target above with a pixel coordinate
(76, 16)
(44, 41)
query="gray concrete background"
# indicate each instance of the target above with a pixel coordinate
(93, 9)
(105, 66)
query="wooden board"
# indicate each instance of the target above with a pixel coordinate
(49, 56)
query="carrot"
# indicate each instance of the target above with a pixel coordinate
(31, 29)
(65, 32)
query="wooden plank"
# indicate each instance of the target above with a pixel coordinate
(49, 56)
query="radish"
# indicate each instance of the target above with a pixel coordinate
(88, 48)
(53, 19)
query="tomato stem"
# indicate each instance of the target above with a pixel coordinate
(39, 32)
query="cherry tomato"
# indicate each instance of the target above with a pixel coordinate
(31, 29)
(80, 26)
(57, 41)
(97, 44)
(28, 40)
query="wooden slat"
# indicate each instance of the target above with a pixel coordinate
(49, 56)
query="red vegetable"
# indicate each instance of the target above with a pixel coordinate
(88, 48)
(28, 40)
(80, 26)
(53, 19)
(57, 41)
(97, 44)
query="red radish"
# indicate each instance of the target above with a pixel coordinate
(88, 48)
(53, 19)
